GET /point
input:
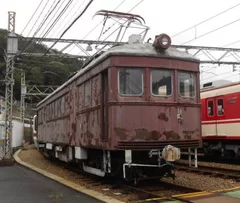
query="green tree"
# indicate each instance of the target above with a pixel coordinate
(39, 71)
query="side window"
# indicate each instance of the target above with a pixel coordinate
(55, 108)
(63, 105)
(40, 115)
(130, 81)
(187, 84)
(52, 111)
(87, 93)
(47, 112)
(210, 108)
(161, 82)
(220, 107)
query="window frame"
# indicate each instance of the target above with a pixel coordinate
(89, 81)
(222, 106)
(62, 105)
(172, 75)
(195, 84)
(213, 103)
(131, 95)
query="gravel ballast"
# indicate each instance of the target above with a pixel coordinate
(188, 179)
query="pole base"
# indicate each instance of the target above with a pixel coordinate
(7, 161)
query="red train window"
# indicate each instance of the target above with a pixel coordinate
(210, 108)
(220, 107)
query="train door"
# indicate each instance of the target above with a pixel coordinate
(104, 107)
(210, 123)
(220, 114)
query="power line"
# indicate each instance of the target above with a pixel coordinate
(89, 3)
(102, 20)
(50, 11)
(212, 31)
(38, 18)
(70, 19)
(32, 16)
(217, 75)
(99, 23)
(207, 19)
(231, 43)
(119, 19)
(40, 26)
(114, 30)
(58, 17)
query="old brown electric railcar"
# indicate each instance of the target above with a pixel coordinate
(128, 112)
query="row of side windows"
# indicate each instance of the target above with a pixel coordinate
(211, 107)
(53, 110)
(130, 82)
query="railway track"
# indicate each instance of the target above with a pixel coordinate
(205, 158)
(210, 170)
(145, 191)
(158, 190)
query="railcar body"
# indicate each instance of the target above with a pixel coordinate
(127, 113)
(221, 120)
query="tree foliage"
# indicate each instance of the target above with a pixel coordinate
(44, 71)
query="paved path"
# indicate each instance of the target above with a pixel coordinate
(20, 185)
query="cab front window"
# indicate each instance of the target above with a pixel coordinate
(130, 81)
(161, 82)
(187, 84)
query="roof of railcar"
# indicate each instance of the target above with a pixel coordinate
(141, 50)
(220, 90)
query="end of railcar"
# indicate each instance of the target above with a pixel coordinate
(111, 129)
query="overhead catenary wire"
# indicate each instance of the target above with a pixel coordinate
(64, 32)
(70, 19)
(206, 20)
(28, 45)
(98, 24)
(216, 29)
(102, 20)
(32, 16)
(29, 42)
(41, 25)
(222, 74)
(89, 3)
(120, 19)
(58, 18)
(114, 31)
(51, 10)
(38, 18)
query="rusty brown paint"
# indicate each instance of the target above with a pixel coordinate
(121, 133)
(162, 116)
(141, 133)
(89, 137)
(96, 90)
(155, 135)
(74, 127)
(128, 116)
(144, 134)
(171, 135)
(188, 134)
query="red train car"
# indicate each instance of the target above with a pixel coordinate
(127, 113)
(221, 120)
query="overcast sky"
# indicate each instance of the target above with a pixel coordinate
(171, 17)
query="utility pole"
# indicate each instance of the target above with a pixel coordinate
(23, 94)
(12, 47)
